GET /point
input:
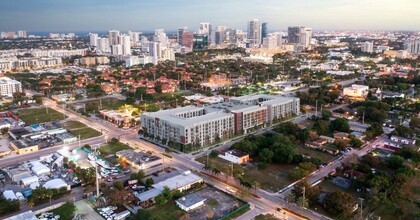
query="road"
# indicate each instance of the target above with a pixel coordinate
(267, 203)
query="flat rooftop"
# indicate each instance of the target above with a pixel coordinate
(137, 157)
(211, 112)
(190, 200)
(183, 179)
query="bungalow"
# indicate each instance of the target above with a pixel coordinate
(341, 136)
(395, 143)
(318, 143)
(190, 202)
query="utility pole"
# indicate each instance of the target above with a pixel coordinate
(316, 108)
(96, 173)
(361, 208)
(363, 118)
(303, 200)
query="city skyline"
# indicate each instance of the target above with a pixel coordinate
(48, 15)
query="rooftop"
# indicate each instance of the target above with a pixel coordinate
(236, 153)
(190, 200)
(137, 157)
(184, 179)
(196, 114)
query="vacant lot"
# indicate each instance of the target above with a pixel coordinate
(112, 148)
(77, 128)
(39, 115)
(272, 178)
(323, 156)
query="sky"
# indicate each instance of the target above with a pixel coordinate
(147, 15)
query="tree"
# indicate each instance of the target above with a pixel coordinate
(304, 202)
(395, 161)
(339, 202)
(302, 170)
(149, 181)
(214, 153)
(266, 155)
(326, 115)
(340, 124)
(356, 143)
(164, 196)
(138, 176)
(38, 99)
(415, 122)
(321, 127)
(130, 100)
(311, 193)
(8, 206)
(4, 131)
(118, 184)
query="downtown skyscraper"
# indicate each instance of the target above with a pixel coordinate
(254, 33)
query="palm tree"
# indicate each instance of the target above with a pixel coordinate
(303, 202)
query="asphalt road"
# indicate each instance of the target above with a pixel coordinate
(267, 203)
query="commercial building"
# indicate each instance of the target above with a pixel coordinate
(356, 91)
(235, 156)
(190, 202)
(200, 41)
(24, 146)
(203, 125)
(181, 182)
(179, 34)
(254, 33)
(18, 172)
(113, 37)
(188, 41)
(299, 36)
(264, 31)
(138, 160)
(9, 86)
(56, 184)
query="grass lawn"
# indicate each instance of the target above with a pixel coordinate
(272, 178)
(323, 156)
(39, 115)
(75, 128)
(107, 103)
(112, 148)
(169, 211)
(266, 217)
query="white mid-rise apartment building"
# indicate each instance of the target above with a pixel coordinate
(9, 86)
(204, 125)
(413, 46)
